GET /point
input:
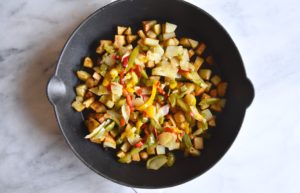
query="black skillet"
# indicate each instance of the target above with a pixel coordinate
(192, 22)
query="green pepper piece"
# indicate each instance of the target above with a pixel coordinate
(132, 58)
(187, 141)
(182, 105)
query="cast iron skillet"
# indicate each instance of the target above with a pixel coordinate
(193, 22)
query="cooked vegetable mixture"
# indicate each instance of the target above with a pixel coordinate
(149, 94)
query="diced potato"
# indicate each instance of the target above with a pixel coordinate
(166, 36)
(185, 42)
(79, 99)
(216, 80)
(109, 142)
(88, 94)
(200, 49)
(128, 31)
(141, 34)
(88, 62)
(121, 154)
(222, 87)
(209, 60)
(193, 43)
(194, 152)
(98, 107)
(87, 103)
(90, 82)
(151, 42)
(179, 117)
(100, 48)
(144, 155)
(191, 53)
(125, 147)
(198, 143)
(83, 75)
(198, 63)
(96, 76)
(205, 74)
(121, 30)
(209, 85)
(81, 90)
(78, 106)
(212, 122)
(169, 27)
(136, 157)
(216, 107)
(106, 99)
(91, 124)
(213, 93)
(170, 42)
(199, 90)
(151, 150)
(151, 34)
(119, 41)
(157, 29)
(147, 25)
(130, 38)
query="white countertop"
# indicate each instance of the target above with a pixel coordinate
(35, 158)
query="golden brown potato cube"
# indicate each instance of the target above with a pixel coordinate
(216, 107)
(136, 157)
(212, 122)
(144, 155)
(128, 31)
(78, 106)
(109, 142)
(209, 85)
(198, 143)
(170, 42)
(120, 154)
(166, 36)
(91, 124)
(88, 62)
(200, 49)
(157, 29)
(209, 60)
(100, 48)
(141, 34)
(213, 93)
(151, 150)
(90, 82)
(147, 25)
(179, 117)
(83, 75)
(81, 90)
(185, 42)
(125, 147)
(151, 34)
(199, 90)
(79, 99)
(87, 103)
(119, 41)
(88, 94)
(130, 38)
(193, 43)
(151, 42)
(169, 27)
(98, 107)
(191, 53)
(121, 30)
(198, 63)
(96, 76)
(222, 87)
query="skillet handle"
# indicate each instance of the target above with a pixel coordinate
(56, 90)
(248, 92)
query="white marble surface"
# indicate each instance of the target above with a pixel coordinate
(35, 158)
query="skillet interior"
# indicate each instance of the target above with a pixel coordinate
(192, 22)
